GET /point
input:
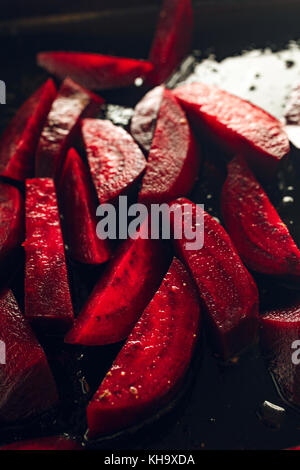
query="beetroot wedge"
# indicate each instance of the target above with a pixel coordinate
(115, 160)
(44, 443)
(236, 124)
(121, 295)
(172, 40)
(47, 295)
(280, 333)
(11, 219)
(143, 121)
(94, 71)
(20, 139)
(154, 360)
(79, 209)
(227, 290)
(173, 161)
(261, 238)
(71, 104)
(26, 383)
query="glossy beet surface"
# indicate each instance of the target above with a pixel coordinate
(20, 139)
(26, 384)
(71, 104)
(226, 118)
(47, 294)
(94, 71)
(115, 160)
(44, 443)
(153, 361)
(227, 290)
(172, 40)
(280, 333)
(79, 210)
(122, 293)
(261, 238)
(11, 219)
(174, 157)
(144, 119)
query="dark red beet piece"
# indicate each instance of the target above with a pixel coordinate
(45, 443)
(154, 360)
(236, 124)
(27, 386)
(279, 330)
(122, 293)
(261, 238)
(11, 219)
(47, 295)
(173, 161)
(72, 103)
(143, 121)
(94, 71)
(172, 40)
(115, 160)
(227, 290)
(79, 209)
(20, 139)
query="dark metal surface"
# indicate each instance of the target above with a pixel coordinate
(221, 407)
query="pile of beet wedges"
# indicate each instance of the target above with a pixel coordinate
(152, 293)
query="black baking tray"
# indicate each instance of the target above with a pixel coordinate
(220, 406)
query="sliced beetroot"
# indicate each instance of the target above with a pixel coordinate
(144, 119)
(11, 219)
(44, 443)
(94, 71)
(122, 293)
(280, 333)
(174, 158)
(72, 103)
(47, 295)
(20, 139)
(79, 210)
(227, 290)
(172, 40)
(236, 124)
(115, 160)
(261, 238)
(27, 386)
(154, 360)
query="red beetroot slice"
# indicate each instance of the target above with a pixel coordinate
(172, 40)
(279, 330)
(154, 360)
(11, 219)
(144, 119)
(47, 295)
(173, 161)
(261, 238)
(227, 290)
(79, 209)
(27, 386)
(94, 71)
(236, 124)
(71, 104)
(122, 293)
(115, 160)
(20, 139)
(45, 443)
